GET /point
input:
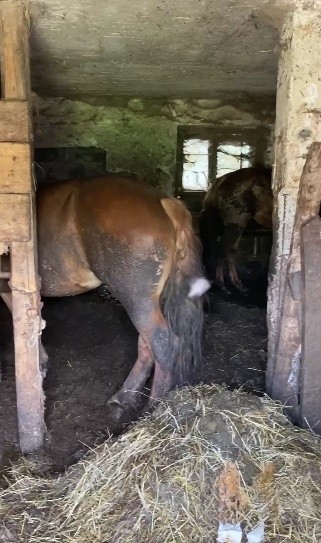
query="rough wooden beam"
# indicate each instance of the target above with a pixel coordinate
(16, 182)
(283, 378)
(14, 57)
(297, 126)
(308, 204)
(15, 166)
(14, 121)
(14, 217)
(311, 344)
(284, 382)
(26, 308)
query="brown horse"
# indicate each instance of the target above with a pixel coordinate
(232, 202)
(140, 244)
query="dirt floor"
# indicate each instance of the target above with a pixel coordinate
(92, 345)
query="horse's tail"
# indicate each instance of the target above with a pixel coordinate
(182, 293)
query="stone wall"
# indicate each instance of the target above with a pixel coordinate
(140, 135)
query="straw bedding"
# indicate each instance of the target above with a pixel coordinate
(205, 455)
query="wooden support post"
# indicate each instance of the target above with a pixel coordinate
(289, 363)
(297, 128)
(285, 382)
(19, 228)
(311, 337)
(26, 313)
(14, 57)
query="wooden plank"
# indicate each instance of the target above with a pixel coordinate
(26, 308)
(14, 121)
(283, 371)
(14, 217)
(308, 203)
(285, 384)
(311, 344)
(15, 166)
(14, 53)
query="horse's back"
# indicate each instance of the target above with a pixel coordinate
(234, 183)
(242, 195)
(123, 208)
(88, 230)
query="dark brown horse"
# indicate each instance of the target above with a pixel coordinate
(232, 202)
(140, 243)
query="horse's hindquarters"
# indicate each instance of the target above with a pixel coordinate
(63, 267)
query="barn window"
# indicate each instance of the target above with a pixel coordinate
(196, 164)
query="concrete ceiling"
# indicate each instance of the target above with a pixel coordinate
(171, 48)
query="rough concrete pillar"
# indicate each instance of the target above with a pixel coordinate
(298, 124)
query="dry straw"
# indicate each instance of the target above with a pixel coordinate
(207, 454)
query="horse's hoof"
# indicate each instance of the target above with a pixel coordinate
(238, 285)
(150, 407)
(117, 410)
(113, 401)
(224, 290)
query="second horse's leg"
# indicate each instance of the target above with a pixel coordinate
(234, 276)
(232, 237)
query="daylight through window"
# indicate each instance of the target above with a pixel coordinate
(199, 168)
(232, 157)
(196, 164)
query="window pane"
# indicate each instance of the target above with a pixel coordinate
(197, 147)
(232, 157)
(246, 163)
(246, 149)
(227, 161)
(195, 167)
(196, 163)
(231, 149)
(195, 180)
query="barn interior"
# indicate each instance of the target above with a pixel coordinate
(174, 94)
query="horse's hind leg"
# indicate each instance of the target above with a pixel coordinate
(127, 394)
(164, 346)
(156, 346)
(234, 276)
(219, 275)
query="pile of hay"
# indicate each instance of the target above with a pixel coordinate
(204, 456)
